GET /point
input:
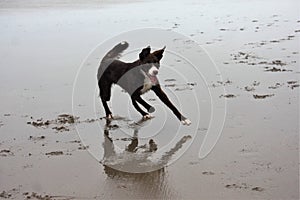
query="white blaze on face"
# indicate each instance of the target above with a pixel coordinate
(153, 71)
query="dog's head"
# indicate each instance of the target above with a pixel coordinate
(150, 62)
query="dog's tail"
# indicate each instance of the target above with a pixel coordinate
(116, 52)
(113, 54)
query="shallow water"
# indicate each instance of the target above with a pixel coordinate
(50, 47)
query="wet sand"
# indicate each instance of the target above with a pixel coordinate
(54, 147)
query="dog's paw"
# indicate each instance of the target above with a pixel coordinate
(151, 109)
(146, 117)
(109, 117)
(186, 122)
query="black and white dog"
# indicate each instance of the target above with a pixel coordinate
(136, 78)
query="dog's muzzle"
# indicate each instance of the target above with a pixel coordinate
(153, 79)
(153, 71)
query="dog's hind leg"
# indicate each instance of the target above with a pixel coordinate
(105, 92)
(164, 98)
(106, 108)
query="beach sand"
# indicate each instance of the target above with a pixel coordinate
(53, 144)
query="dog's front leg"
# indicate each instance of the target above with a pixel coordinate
(164, 98)
(137, 107)
(149, 108)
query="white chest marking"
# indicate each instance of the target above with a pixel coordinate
(147, 84)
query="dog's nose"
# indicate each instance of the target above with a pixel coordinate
(153, 71)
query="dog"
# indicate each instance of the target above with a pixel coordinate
(136, 78)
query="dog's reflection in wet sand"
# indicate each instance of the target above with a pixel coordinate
(135, 158)
(132, 168)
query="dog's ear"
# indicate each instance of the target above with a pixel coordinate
(159, 53)
(145, 52)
